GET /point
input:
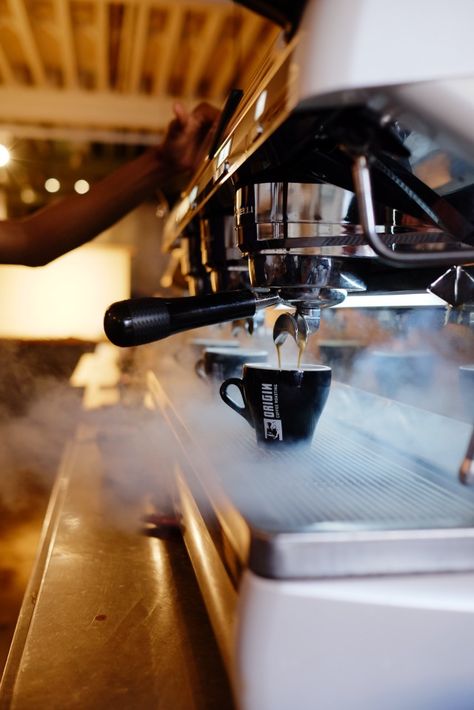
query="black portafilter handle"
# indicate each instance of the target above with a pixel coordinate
(137, 321)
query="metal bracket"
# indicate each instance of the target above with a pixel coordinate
(363, 191)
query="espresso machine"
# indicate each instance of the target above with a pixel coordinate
(344, 576)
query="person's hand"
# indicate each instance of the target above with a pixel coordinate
(187, 135)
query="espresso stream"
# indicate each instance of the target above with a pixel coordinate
(278, 349)
(301, 349)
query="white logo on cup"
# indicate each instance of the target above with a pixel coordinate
(273, 429)
(271, 412)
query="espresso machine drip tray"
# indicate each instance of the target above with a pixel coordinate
(347, 509)
(356, 503)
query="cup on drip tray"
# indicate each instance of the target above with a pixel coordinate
(283, 406)
(219, 363)
(339, 355)
(199, 345)
(192, 350)
(398, 371)
(466, 382)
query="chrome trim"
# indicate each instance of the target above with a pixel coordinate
(321, 554)
(301, 272)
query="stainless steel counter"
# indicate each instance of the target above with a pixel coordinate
(112, 617)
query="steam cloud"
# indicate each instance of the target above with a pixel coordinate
(139, 452)
(427, 423)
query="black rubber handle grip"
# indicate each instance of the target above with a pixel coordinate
(144, 320)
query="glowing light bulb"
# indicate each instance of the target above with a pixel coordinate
(4, 155)
(52, 185)
(81, 186)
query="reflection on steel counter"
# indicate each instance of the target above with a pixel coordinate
(116, 618)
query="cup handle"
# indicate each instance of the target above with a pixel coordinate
(199, 369)
(243, 411)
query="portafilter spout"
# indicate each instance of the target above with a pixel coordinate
(306, 318)
(137, 321)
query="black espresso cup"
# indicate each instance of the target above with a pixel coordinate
(219, 363)
(283, 406)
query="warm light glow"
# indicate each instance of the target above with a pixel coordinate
(260, 105)
(67, 298)
(81, 186)
(28, 195)
(52, 185)
(193, 194)
(4, 156)
(391, 300)
(224, 152)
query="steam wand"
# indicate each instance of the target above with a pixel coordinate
(466, 471)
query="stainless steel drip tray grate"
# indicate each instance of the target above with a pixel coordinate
(347, 506)
(343, 482)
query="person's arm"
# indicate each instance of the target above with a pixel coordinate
(68, 223)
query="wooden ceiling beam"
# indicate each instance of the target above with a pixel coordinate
(205, 44)
(28, 41)
(170, 43)
(66, 39)
(138, 49)
(102, 44)
(85, 108)
(6, 70)
(126, 46)
(79, 135)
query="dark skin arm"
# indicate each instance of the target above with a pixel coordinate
(68, 223)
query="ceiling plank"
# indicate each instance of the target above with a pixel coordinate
(206, 44)
(164, 62)
(67, 44)
(126, 44)
(28, 41)
(138, 50)
(78, 107)
(5, 69)
(102, 44)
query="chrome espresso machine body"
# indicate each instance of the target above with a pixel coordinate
(347, 166)
(346, 170)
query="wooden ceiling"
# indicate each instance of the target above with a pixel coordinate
(112, 69)
(84, 84)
